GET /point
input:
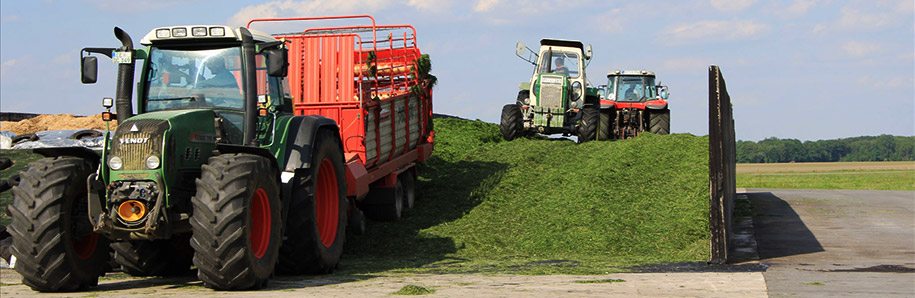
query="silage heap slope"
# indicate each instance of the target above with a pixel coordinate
(486, 201)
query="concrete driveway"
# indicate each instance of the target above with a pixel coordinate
(836, 243)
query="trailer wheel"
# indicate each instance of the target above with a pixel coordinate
(660, 122)
(409, 189)
(316, 224)
(237, 222)
(53, 241)
(170, 257)
(510, 125)
(587, 128)
(605, 126)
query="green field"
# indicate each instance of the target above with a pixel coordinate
(838, 175)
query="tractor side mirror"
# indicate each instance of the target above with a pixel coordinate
(89, 69)
(588, 52)
(664, 93)
(519, 48)
(277, 62)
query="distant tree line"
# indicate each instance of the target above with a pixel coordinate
(868, 148)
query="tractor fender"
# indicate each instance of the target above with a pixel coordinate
(656, 107)
(301, 136)
(82, 152)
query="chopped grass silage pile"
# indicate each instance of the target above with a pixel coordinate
(546, 206)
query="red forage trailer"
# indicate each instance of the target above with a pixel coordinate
(373, 81)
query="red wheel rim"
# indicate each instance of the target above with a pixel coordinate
(85, 246)
(326, 203)
(260, 223)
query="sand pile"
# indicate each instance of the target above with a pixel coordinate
(56, 122)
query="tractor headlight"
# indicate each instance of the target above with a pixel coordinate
(527, 100)
(152, 162)
(115, 163)
(576, 90)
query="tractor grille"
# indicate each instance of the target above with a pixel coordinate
(135, 140)
(551, 95)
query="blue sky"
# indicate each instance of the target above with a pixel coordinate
(804, 69)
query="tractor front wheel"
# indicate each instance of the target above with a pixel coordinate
(510, 124)
(316, 224)
(237, 222)
(659, 121)
(53, 242)
(605, 128)
(587, 129)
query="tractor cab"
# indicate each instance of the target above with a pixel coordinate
(633, 86)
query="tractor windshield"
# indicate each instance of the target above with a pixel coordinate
(631, 88)
(561, 62)
(189, 79)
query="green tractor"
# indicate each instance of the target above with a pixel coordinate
(557, 99)
(203, 175)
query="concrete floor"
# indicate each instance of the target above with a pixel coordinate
(836, 243)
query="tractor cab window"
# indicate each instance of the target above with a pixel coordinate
(555, 61)
(190, 79)
(635, 88)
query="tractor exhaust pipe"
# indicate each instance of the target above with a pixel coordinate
(123, 105)
(250, 88)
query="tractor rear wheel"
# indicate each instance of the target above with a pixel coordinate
(237, 222)
(587, 128)
(510, 124)
(659, 122)
(605, 128)
(169, 257)
(316, 224)
(55, 247)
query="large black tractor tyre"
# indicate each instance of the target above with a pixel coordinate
(605, 127)
(316, 224)
(53, 241)
(510, 125)
(168, 257)
(587, 128)
(237, 222)
(659, 121)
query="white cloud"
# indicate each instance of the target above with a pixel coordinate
(431, 5)
(10, 19)
(611, 22)
(859, 49)
(290, 8)
(711, 30)
(800, 7)
(857, 19)
(686, 64)
(135, 6)
(731, 5)
(485, 5)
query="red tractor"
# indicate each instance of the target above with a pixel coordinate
(631, 103)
